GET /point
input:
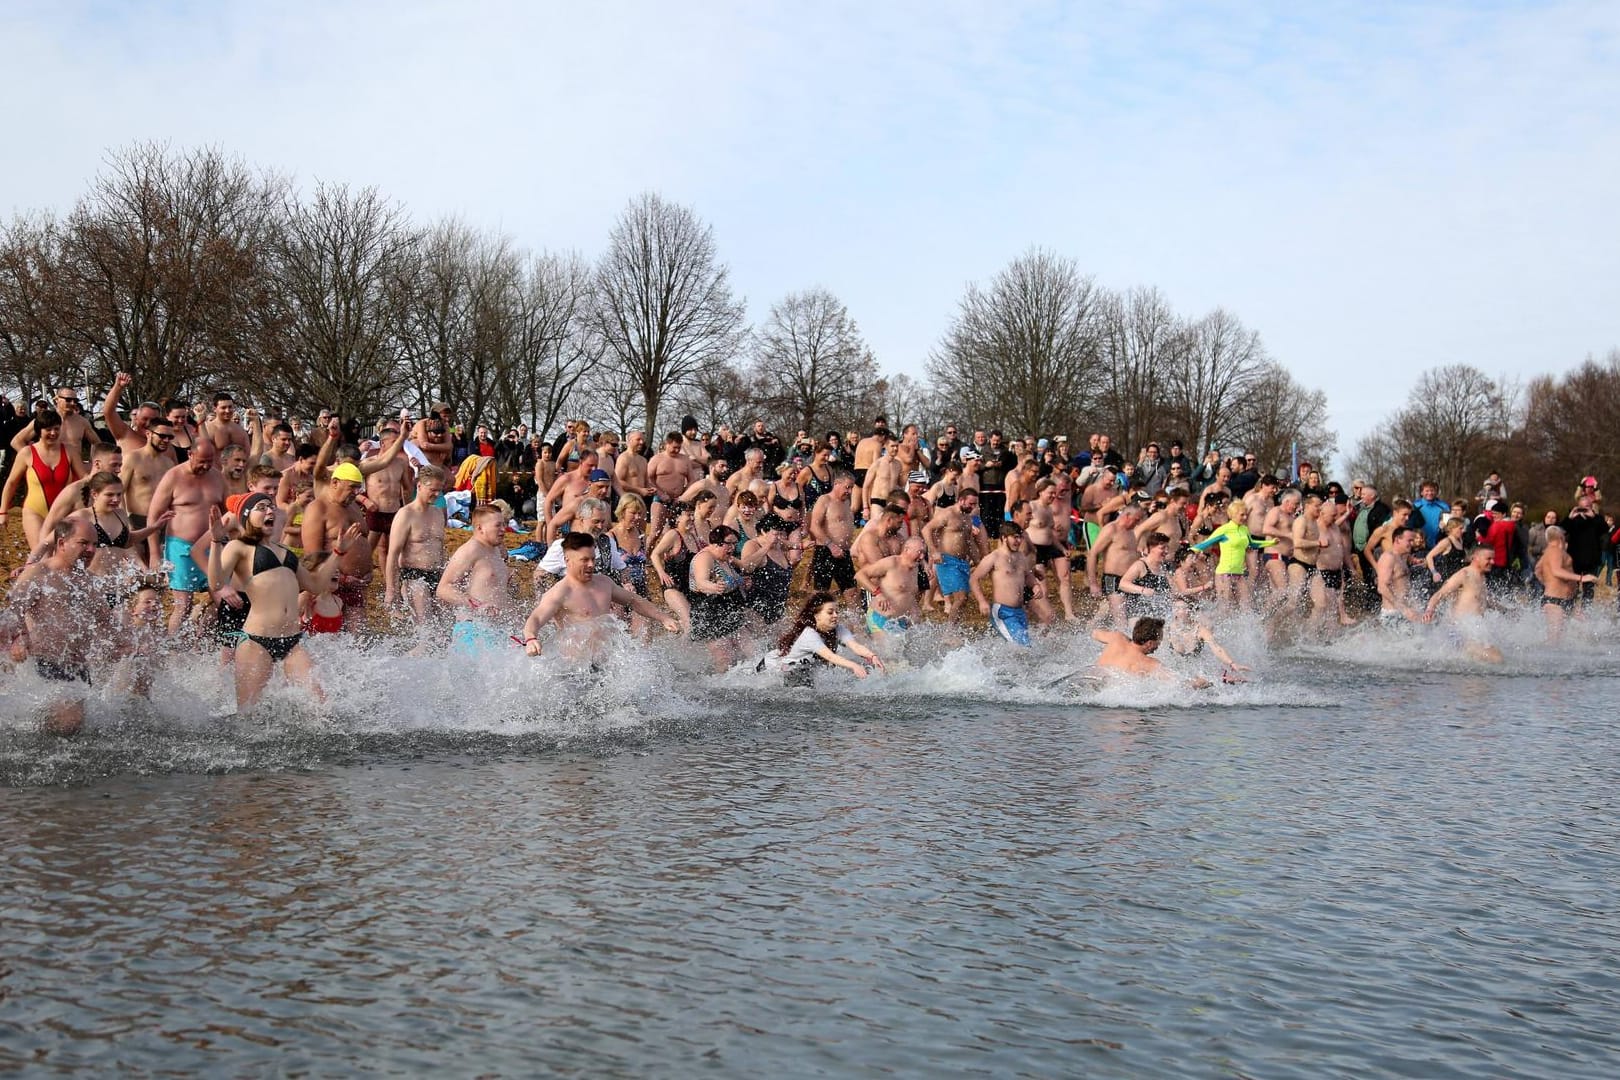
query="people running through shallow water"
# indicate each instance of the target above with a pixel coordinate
(899, 544)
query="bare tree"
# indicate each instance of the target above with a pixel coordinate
(1022, 352)
(160, 272)
(718, 395)
(1454, 429)
(1568, 431)
(1143, 344)
(664, 307)
(32, 357)
(811, 367)
(337, 262)
(1211, 378)
(1277, 416)
(553, 348)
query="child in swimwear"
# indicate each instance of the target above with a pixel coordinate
(322, 610)
(1235, 540)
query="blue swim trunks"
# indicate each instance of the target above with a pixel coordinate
(877, 622)
(477, 639)
(186, 576)
(1011, 623)
(952, 573)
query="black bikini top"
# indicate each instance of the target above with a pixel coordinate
(264, 560)
(103, 540)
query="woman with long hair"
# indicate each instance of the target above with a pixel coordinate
(812, 641)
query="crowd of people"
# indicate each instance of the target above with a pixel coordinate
(186, 526)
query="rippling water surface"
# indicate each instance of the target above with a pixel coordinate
(1371, 860)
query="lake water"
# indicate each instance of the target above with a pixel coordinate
(1373, 859)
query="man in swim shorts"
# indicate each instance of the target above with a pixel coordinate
(956, 543)
(477, 586)
(1011, 572)
(891, 584)
(1469, 586)
(191, 490)
(583, 601)
(56, 607)
(415, 560)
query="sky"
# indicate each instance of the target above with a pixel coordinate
(1377, 189)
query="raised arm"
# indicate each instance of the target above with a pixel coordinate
(109, 408)
(386, 457)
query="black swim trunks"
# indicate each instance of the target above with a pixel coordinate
(1110, 584)
(228, 623)
(416, 573)
(826, 568)
(1567, 603)
(1045, 553)
(50, 669)
(1332, 579)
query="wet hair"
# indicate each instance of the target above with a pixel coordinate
(578, 541)
(748, 499)
(841, 475)
(1147, 628)
(430, 472)
(806, 620)
(722, 534)
(1010, 529)
(1154, 539)
(702, 497)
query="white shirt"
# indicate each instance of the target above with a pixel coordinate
(552, 561)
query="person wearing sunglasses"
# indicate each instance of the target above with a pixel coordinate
(77, 438)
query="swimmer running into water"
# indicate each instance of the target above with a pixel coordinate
(1467, 590)
(581, 599)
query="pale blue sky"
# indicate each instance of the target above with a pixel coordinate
(1377, 189)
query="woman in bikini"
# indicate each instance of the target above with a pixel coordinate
(271, 633)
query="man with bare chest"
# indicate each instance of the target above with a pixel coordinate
(955, 544)
(832, 528)
(477, 587)
(222, 429)
(133, 435)
(668, 474)
(326, 519)
(192, 491)
(415, 560)
(1113, 553)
